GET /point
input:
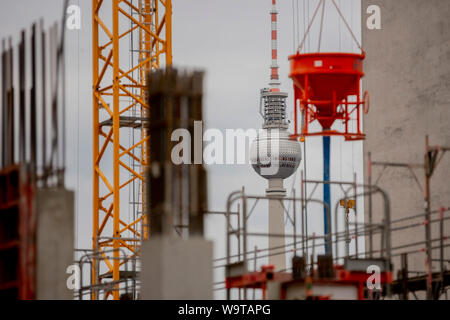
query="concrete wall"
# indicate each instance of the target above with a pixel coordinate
(54, 243)
(408, 77)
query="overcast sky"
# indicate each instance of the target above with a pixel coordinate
(230, 41)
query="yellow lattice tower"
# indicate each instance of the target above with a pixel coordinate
(120, 107)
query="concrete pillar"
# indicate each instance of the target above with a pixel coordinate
(276, 192)
(54, 243)
(178, 269)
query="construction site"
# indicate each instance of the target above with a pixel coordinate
(225, 150)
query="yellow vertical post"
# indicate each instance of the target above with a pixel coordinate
(146, 54)
(116, 135)
(168, 32)
(95, 136)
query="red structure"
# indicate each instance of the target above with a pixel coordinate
(326, 89)
(342, 277)
(257, 279)
(17, 235)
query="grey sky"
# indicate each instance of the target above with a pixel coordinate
(230, 40)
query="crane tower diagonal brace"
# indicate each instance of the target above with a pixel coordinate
(130, 38)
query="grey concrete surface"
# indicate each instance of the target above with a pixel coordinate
(407, 70)
(54, 243)
(174, 268)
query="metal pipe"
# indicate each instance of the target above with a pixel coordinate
(356, 215)
(12, 133)
(428, 213)
(326, 188)
(441, 252)
(22, 107)
(303, 215)
(369, 180)
(239, 227)
(44, 113)
(33, 133)
(244, 214)
(232, 198)
(227, 244)
(295, 221)
(3, 107)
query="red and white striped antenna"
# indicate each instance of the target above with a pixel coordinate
(274, 77)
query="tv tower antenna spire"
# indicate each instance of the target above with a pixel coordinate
(274, 77)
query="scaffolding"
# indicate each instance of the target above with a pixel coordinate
(348, 265)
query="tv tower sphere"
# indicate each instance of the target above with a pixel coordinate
(273, 145)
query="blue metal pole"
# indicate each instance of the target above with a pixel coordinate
(326, 192)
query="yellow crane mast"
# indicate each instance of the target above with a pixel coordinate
(120, 108)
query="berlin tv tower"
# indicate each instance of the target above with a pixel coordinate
(273, 155)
